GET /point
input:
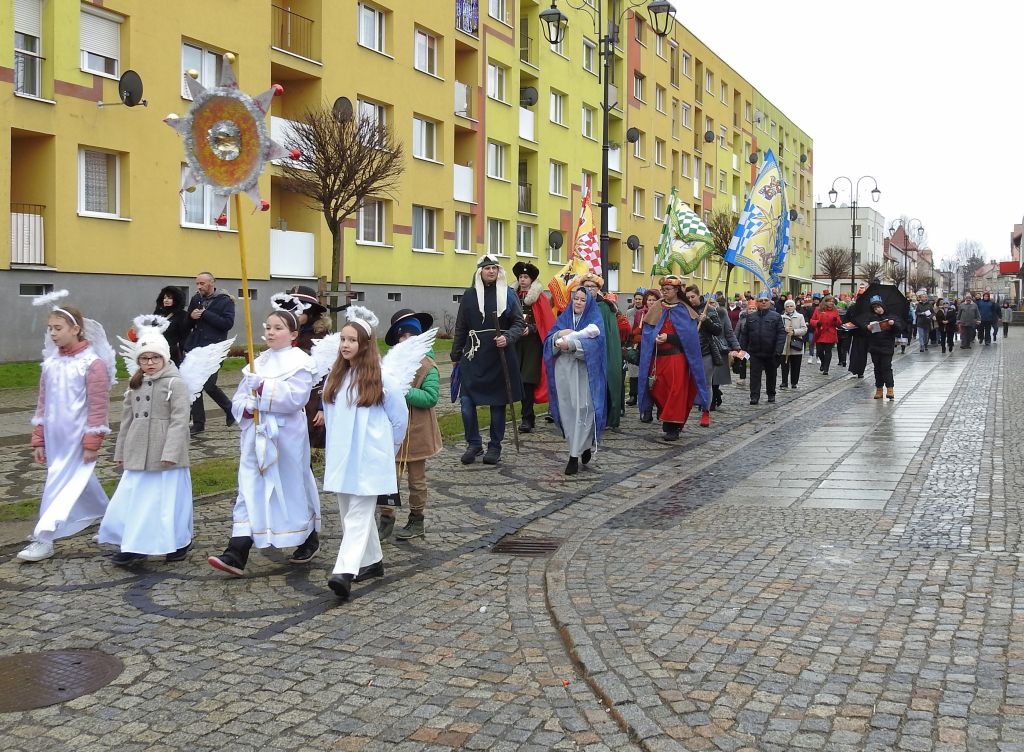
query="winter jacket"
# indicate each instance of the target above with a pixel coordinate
(884, 342)
(987, 310)
(217, 320)
(968, 314)
(154, 423)
(826, 323)
(177, 320)
(796, 323)
(423, 437)
(763, 333)
(711, 328)
(924, 315)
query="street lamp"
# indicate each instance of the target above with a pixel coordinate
(662, 17)
(896, 223)
(833, 194)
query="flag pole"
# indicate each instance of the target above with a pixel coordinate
(245, 294)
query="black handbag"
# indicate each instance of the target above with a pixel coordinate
(631, 355)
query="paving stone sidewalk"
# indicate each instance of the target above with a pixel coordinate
(678, 613)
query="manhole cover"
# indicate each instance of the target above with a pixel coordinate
(35, 680)
(524, 546)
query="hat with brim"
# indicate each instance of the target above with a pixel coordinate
(407, 320)
(308, 296)
(524, 267)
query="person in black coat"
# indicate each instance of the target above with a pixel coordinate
(211, 315)
(881, 334)
(170, 304)
(763, 337)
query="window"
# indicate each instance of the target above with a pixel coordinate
(554, 254)
(709, 176)
(496, 236)
(253, 293)
(589, 56)
(856, 234)
(723, 92)
(557, 107)
(686, 64)
(35, 290)
(675, 118)
(638, 86)
(557, 178)
(659, 46)
(28, 48)
(99, 183)
(463, 233)
(497, 9)
(524, 240)
(638, 146)
(496, 82)
(723, 134)
(746, 111)
(673, 63)
(684, 164)
(100, 42)
(659, 206)
(659, 152)
(197, 206)
(395, 296)
(638, 259)
(496, 160)
(559, 47)
(423, 225)
(638, 202)
(206, 62)
(425, 52)
(424, 138)
(372, 111)
(709, 124)
(638, 29)
(372, 27)
(773, 127)
(659, 97)
(709, 82)
(587, 182)
(721, 181)
(684, 115)
(370, 228)
(588, 121)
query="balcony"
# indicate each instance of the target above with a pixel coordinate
(28, 73)
(613, 219)
(526, 198)
(464, 96)
(527, 45)
(291, 254)
(463, 190)
(733, 203)
(27, 246)
(527, 124)
(467, 16)
(293, 33)
(615, 159)
(735, 162)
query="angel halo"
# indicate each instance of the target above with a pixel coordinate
(92, 331)
(363, 317)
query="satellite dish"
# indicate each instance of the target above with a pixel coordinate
(632, 242)
(803, 158)
(342, 108)
(528, 96)
(555, 239)
(793, 214)
(752, 158)
(129, 89)
(633, 135)
(709, 136)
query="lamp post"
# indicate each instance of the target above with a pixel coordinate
(554, 23)
(896, 223)
(833, 194)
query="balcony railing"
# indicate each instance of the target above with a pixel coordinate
(613, 219)
(527, 46)
(464, 94)
(467, 16)
(526, 198)
(463, 189)
(615, 159)
(291, 254)
(27, 246)
(28, 73)
(292, 32)
(527, 122)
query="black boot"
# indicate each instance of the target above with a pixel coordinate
(573, 466)
(305, 552)
(341, 584)
(529, 421)
(647, 416)
(234, 558)
(633, 383)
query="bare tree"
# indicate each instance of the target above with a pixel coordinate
(344, 160)
(835, 263)
(917, 280)
(871, 269)
(722, 224)
(970, 257)
(896, 272)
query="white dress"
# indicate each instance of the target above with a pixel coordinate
(72, 497)
(279, 507)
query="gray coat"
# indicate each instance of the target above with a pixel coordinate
(154, 423)
(967, 314)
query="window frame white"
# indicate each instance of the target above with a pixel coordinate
(206, 194)
(589, 56)
(498, 10)
(496, 223)
(554, 254)
(500, 159)
(380, 216)
(463, 232)
(429, 65)
(684, 63)
(28, 24)
(658, 206)
(497, 82)
(424, 134)
(426, 217)
(524, 230)
(686, 115)
(100, 18)
(659, 97)
(210, 65)
(659, 152)
(638, 259)
(556, 107)
(82, 198)
(587, 116)
(380, 28)
(638, 86)
(638, 202)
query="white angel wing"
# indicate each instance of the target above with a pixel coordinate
(201, 363)
(325, 352)
(403, 360)
(97, 336)
(129, 356)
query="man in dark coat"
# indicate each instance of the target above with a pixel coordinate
(211, 314)
(484, 357)
(764, 338)
(530, 347)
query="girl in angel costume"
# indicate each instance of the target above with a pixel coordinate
(278, 503)
(69, 424)
(366, 417)
(150, 513)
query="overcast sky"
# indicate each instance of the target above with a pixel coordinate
(928, 98)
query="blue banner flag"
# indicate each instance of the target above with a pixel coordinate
(763, 229)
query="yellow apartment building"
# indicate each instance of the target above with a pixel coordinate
(501, 133)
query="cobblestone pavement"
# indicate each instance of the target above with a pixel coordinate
(831, 572)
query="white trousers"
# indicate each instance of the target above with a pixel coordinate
(360, 543)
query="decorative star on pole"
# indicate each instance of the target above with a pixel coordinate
(226, 139)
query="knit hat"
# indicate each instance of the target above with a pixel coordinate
(153, 342)
(876, 300)
(407, 320)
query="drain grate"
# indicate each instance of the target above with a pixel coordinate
(36, 680)
(526, 546)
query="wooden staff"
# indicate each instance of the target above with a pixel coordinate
(508, 380)
(245, 295)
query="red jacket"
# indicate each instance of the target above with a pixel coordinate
(826, 325)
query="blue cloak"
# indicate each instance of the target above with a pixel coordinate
(593, 354)
(686, 330)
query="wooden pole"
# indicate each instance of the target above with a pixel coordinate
(245, 291)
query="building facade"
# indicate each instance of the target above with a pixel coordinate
(502, 134)
(836, 226)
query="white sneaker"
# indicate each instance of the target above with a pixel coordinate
(36, 551)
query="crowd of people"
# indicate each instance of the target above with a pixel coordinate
(672, 350)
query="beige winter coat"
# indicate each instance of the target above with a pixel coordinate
(154, 423)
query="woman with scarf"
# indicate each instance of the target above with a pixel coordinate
(574, 360)
(170, 304)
